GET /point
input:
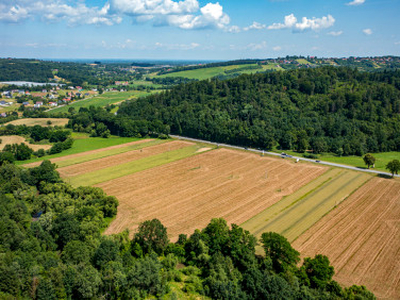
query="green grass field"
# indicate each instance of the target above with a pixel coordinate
(382, 159)
(83, 145)
(101, 100)
(297, 212)
(303, 61)
(123, 169)
(205, 73)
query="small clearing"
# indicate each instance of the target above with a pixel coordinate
(16, 139)
(40, 121)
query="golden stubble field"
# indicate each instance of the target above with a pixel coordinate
(361, 237)
(40, 121)
(16, 139)
(186, 194)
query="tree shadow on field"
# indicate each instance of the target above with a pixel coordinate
(386, 176)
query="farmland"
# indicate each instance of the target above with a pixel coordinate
(187, 193)
(206, 73)
(40, 122)
(361, 238)
(85, 144)
(296, 213)
(352, 217)
(101, 100)
(16, 139)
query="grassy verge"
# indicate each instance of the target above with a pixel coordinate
(356, 161)
(83, 145)
(106, 174)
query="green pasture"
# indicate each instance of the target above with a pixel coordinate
(83, 145)
(294, 214)
(127, 168)
(205, 73)
(101, 100)
(303, 61)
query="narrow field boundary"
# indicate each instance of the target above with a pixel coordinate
(106, 174)
(294, 214)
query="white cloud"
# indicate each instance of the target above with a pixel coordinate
(277, 48)
(256, 26)
(212, 16)
(305, 24)
(397, 43)
(356, 2)
(289, 22)
(185, 14)
(367, 31)
(234, 29)
(335, 33)
(153, 7)
(52, 11)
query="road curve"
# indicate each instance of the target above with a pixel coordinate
(285, 156)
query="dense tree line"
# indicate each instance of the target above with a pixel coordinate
(99, 122)
(327, 109)
(51, 247)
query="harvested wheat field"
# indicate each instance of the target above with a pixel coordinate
(89, 155)
(361, 237)
(109, 161)
(186, 194)
(297, 212)
(40, 121)
(16, 139)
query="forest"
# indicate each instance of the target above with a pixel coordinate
(52, 247)
(328, 109)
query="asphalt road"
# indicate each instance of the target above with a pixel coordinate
(286, 156)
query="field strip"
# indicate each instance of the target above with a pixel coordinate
(253, 225)
(130, 167)
(296, 214)
(186, 194)
(112, 160)
(93, 154)
(107, 153)
(361, 238)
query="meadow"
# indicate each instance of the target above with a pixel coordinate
(206, 73)
(101, 100)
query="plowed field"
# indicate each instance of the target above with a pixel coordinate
(361, 237)
(185, 195)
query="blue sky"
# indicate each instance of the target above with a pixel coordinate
(196, 29)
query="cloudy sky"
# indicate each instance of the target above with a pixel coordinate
(196, 29)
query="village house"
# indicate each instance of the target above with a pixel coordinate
(38, 104)
(52, 104)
